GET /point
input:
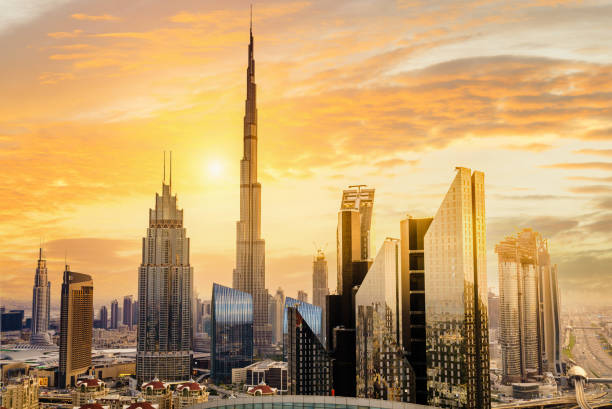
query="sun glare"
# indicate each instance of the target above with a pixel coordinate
(215, 169)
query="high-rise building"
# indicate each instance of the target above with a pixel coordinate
(353, 250)
(128, 310)
(456, 298)
(135, 312)
(76, 326)
(277, 311)
(413, 300)
(383, 371)
(114, 321)
(493, 310)
(320, 287)
(518, 293)
(232, 331)
(103, 317)
(250, 272)
(311, 313)
(302, 296)
(165, 293)
(308, 361)
(549, 311)
(41, 299)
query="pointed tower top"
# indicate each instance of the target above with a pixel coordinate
(251, 22)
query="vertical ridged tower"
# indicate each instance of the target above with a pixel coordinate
(165, 285)
(250, 272)
(41, 298)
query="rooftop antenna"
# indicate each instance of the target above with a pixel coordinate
(251, 22)
(171, 171)
(164, 167)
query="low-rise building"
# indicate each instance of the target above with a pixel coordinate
(88, 390)
(116, 401)
(157, 392)
(189, 393)
(269, 372)
(262, 390)
(21, 393)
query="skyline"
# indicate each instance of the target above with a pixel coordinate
(397, 113)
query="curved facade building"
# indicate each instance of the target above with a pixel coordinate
(312, 314)
(232, 331)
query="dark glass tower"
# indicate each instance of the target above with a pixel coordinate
(232, 331)
(308, 361)
(413, 300)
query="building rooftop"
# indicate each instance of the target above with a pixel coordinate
(261, 390)
(155, 384)
(89, 382)
(267, 364)
(141, 405)
(194, 386)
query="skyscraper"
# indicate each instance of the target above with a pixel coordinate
(165, 293)
(549, 311)
(383, 370)
(103, 317)
(362, 200)
(518, 294)
(114, 321)
(308, 362)
(413, 300)
(76, 326)
(127, 311)
(320, 288)
(41, 299)
(250, 274)
(302, 296)
(232, 331)
(276, 316)
(456, 298)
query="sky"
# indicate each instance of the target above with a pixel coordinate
(392, 94)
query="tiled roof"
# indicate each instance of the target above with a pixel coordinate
(194, 386)
(264, 390)
(141, 405)
(89, 382)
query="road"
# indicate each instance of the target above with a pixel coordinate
(589, 354)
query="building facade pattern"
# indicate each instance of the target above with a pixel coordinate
(165, 293)
(320, 287)
(232, 331)
(456, 298)
(383, 372)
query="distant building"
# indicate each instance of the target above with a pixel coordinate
(302, 296)
(493, 310)
(456, 298)
(128, 311)
(103, 317)
(308, 361)
(41, 299)
(276, 315)
(413, 300)
(76, 326)
(311, 313)
(165, 293)
(114, 321)
(271, 373)
(12, 321)
(20, 393)
(158, 393)
(232, 331)
(549, 311)
(87, 390)
(188, 394)
(135, 312)
(383, 370)
(320, 286)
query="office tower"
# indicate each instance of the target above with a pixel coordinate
(135, 312)
(413, 300)
(493, 310)
(20, 393)
(277, 316)
(549, 311)
(311, 313)
(76, 326)
(114, 307)
(456, 298)
(249, 274)
(382, 372)
(12, 320)
(165, 293)
(103, 317)
(127, 311)
(363, 201)
(41, 299)
(232, 331)
(302, 296)
(308, 361)
(320, 288)
(354, 222)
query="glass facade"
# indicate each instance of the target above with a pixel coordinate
(311, 313)
(456, 298)
(382, 372)
(232, 331)
(308, 361)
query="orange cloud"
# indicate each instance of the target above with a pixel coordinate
(66, 34)
(88, 17)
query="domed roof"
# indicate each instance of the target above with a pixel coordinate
(577, 372)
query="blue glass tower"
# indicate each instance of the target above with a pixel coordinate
(232, 331)
(312, 314)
